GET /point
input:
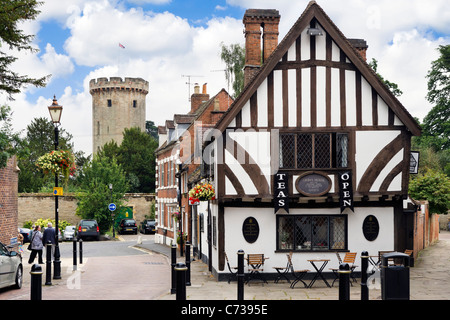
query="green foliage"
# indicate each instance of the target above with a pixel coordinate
(94, 199)
(9, 141)
(12, 15)
(62, 224)
(393, 87)
(234, 58)
(433, 186)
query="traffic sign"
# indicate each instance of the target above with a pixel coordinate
(112, 207)
(57, 191)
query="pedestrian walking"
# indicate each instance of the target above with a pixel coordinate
(36, 245)
(49, 235)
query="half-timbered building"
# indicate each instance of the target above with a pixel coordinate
(313, 156)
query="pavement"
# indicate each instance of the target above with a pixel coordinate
(148, 277)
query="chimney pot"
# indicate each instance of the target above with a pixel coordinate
(361, 46)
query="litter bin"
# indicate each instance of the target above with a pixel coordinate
(395, 278)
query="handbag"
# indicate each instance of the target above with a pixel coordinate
(29, 246)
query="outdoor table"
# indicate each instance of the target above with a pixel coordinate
(319, 271)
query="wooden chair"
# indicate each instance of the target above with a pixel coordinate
(282, 271)
(410, 253)
(380, 256)
(298, 274)
(255, 264)
(232, 275)
(349, 258)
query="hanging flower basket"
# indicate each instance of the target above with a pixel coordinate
(57, 162)
(176, 216)
(202, 192)
(179, 235)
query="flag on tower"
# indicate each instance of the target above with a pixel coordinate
(121, 45)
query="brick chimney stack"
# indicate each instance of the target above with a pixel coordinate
(198, 98)
(361, 46)
(259, 22)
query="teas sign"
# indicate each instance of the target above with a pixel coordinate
(345, 190)
(281, 198)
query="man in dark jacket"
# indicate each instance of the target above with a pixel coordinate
(49, 236)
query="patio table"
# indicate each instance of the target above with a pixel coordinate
(319, 271)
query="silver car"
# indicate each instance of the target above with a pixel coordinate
(11, 269)
(69, 233)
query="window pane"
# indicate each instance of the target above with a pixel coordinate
(337, 233)
(320, 233)
(341, 150)
(322, 150)
(287, 151)
(304, 150)
(285, 233)
(303, 233)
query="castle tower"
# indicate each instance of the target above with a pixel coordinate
(116, 104)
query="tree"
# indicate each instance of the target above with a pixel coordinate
(433, 186)
(137, 157)
(11, 14)
(437, 122)
(10, 142)
(94, 199)
(234, 58)
(393, 87)
(38, 141)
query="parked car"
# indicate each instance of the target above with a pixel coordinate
(147, 226)
(69, 233)
(26, 233)
(88, 228)
(127, 225)
(11, 269)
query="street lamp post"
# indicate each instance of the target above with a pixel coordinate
(55, 113)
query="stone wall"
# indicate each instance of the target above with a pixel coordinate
(33, 206)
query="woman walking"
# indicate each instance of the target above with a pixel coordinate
(36, 245)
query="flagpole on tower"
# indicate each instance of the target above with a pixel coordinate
(121, 46)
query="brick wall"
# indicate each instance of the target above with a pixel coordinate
(8, 201)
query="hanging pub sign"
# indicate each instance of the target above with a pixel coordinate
(414, 162)
(345, 190)
(281, 198)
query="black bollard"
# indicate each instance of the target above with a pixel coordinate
(36, 282)
(188, 263)
(48, 264)
(74, 254)
(344, 281)
(240, 275)
(173, 264)
(81, 250)
(180, 269)
(364, 266)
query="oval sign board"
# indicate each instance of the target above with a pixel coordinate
(313, 184)
(250, 229)
(371, 228)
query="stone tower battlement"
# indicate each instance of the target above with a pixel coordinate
(116, 83)
(117, 104)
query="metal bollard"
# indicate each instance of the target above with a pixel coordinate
(36, 282)
(81, 250)
(180, 269)
(173, 264)
(344, 281)
(240, 275)
(364, 266)
(74, 254)
(48, 264)
(188, 263)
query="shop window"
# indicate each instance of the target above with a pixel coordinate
(313, 150)
(311, 233)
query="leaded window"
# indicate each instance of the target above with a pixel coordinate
(311, 233)
(313, 150)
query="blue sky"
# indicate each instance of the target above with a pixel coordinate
(165, 39)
